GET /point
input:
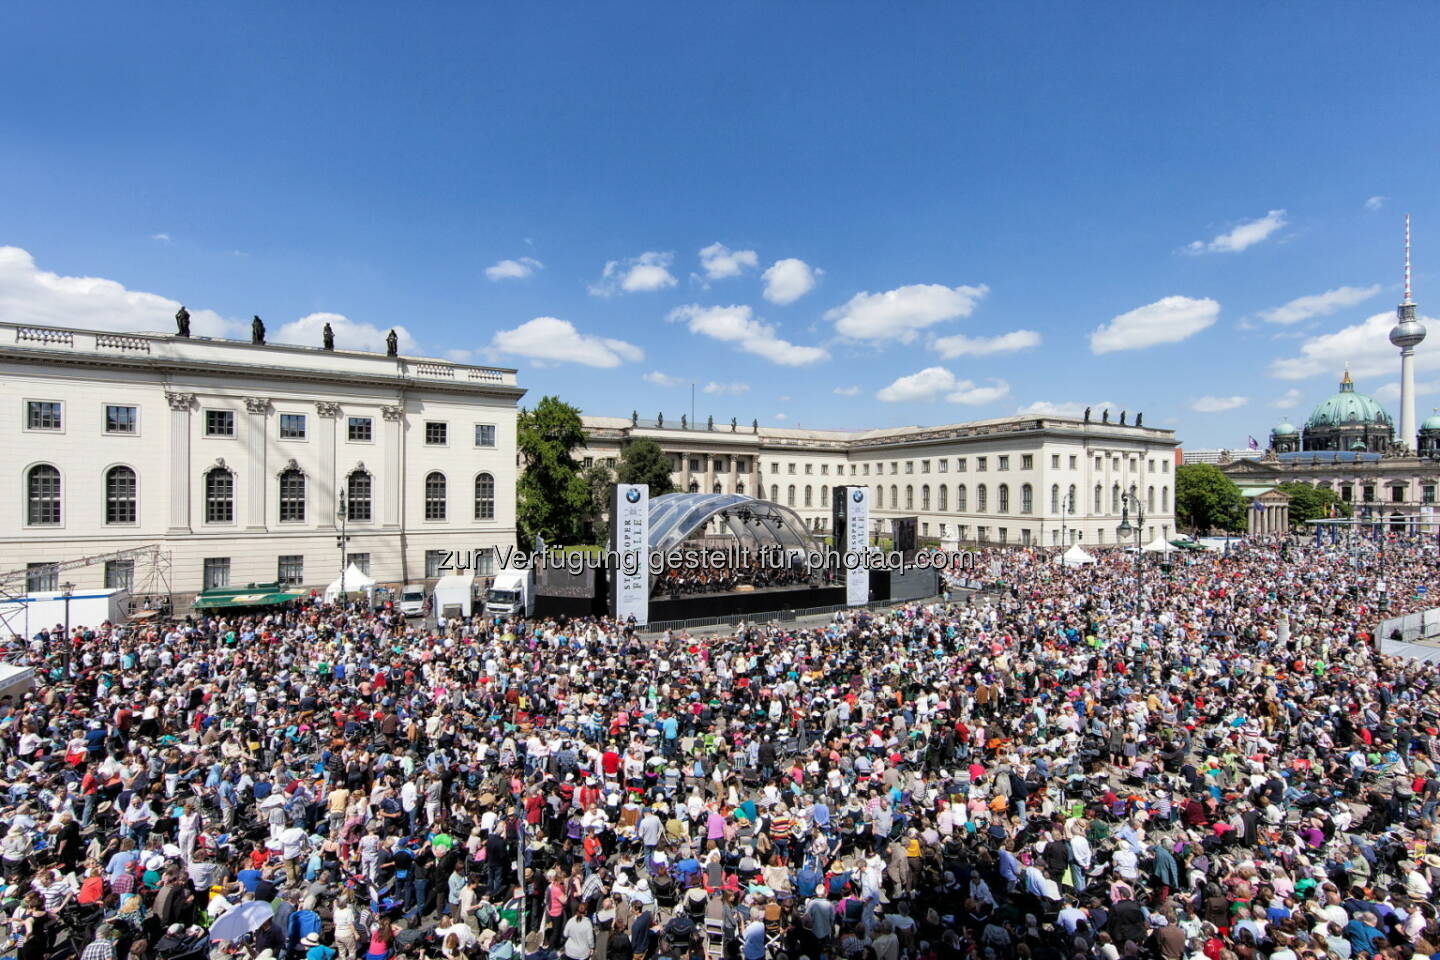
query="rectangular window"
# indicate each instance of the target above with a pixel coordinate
(924, 529)
(1099, 463)
(894, 467)
(1055, 461)
(1004, 535)
(909, 466)
(587, 462)
(1347, 493)
(1073, 460)
(119, 419)
(959, 464)
(1027, 462)
(924, 466)
(809, 469)
(1397, 494)
(742, 465)
(1428, 492)
(217, 572)
(360, 561)
(962, 531)
(292, 426)
(1025, 536)
(824, 469)
(1369, 494)
(40, 577)
(1150, 466)
(1004, 464)
(290, 568)
(437, 434)
(433, 559)
(43, 415)
(610, 462)
(865, 470)
(484, 434)
(220, 423)
(981, 463)
(775, 467)
(119, 574)
(361, 429)
(944, 466)
(484, 563)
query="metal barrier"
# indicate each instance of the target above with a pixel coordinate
(781, 616)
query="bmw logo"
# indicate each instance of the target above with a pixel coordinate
(858, 495)
(632, 495)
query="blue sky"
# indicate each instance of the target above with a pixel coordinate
(911, 212)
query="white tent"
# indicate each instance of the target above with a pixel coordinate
(355, 581)
(1158, 545)
(1075, 557)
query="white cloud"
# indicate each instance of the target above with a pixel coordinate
(961, 345)
(1218, 404)
(720, 261)
(1318, 304)
(1289, 400)
(1365, 346)
(1169, 320)
(662, 379)
(162, 237)
(514, 269)
(788, 280)
(349, 335)
(899, 314)
(934, 382)
(30, 295)
(1242, 237)
(1045, 408)
(846, 391)
(459, 355)
(648, 272)
(1374, 203)
(548, 339)
(737, 325)
(726, 389)
(1390, 392)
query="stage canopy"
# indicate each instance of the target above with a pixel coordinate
(755, 524)
(1075, 557)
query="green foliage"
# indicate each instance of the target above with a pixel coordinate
(1206, 499)
(1312, 503)
(551, 496)
(642, 461)
(599, 482)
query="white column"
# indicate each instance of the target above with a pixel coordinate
(327, 484)
(180, 480)
(394, 455)
(257, 480)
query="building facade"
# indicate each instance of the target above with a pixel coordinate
(232, 459)
(1042, 481)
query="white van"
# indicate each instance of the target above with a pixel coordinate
(412, 600)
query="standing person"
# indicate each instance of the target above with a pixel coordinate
(382, 941)
(579, 935)
(557, 897)
(347, 929)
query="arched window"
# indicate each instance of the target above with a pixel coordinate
(1002, 498)
(894, 497)
(925, 496)
(942, 494)
(694, 486)
(435, 495)
(824, 494)
(774, 493)
(1115, 498)
(716, 488)
(880, 497)
(359, 497)
(809, 496)
(42, 494)
(1027, 499)
(1070, 504)
(981, 498)
(484, 497)
(740, 487)
(790, 495)
(1099, 494)
(1165, 498)
(909, 497)
(1150, 499)
(962, 498)
(219, 496)
(120, 501)
(292, 496)
(1055, 498)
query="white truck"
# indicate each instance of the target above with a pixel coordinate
(454, 595)
(412, 600)
(512, 594)
(34, 612)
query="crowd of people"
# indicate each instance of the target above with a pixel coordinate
(1208, 760)
(691, 573)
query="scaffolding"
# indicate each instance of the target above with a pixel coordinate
(151, 560)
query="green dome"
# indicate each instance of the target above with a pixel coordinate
(1347, 407)
(1431, 423)
(1286, 429)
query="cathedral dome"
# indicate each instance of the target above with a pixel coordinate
(1286, 429)
(1348, 408)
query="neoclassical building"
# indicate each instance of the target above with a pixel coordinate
(1023, 480)
(232, 459)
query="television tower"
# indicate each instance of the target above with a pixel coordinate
(1407, 334)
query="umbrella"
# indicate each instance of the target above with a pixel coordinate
(240, 920)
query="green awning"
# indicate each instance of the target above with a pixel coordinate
(229, 598)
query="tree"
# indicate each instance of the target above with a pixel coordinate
(642, 461)
(1312, 503)
(550, 495)
(1206, 499)
(599, 482)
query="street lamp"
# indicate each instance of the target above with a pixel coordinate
(342, 513)
(1123, 531)
(66, 590)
